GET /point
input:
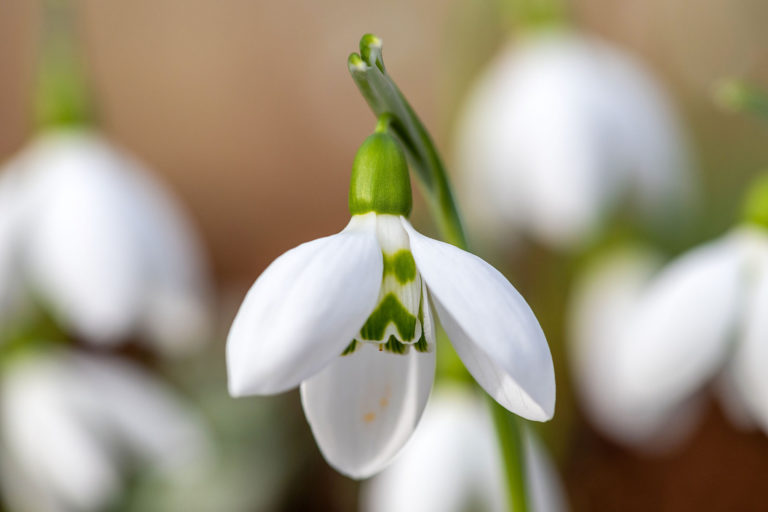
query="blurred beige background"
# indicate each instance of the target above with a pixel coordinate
(246, 109)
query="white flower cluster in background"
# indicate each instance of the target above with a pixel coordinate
(90, 237)
(560, 130)
(647, 344)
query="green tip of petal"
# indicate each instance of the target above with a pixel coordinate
(756, 202)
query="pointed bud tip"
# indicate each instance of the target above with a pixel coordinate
(356, 63)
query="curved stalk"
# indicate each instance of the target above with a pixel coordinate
(384, 97)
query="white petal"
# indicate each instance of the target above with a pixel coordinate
(12, 217)
(43, 432)
(364, 406)
(141, 414)
(603, 299)
(84, 258)
(304, 310)
(680, 333)
(63, 406)
(748, 370)
(177, 311)
(453, 464)
(490, 325)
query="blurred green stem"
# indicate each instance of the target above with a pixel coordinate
(741, 96)
(383, 96)
(534, 14)
(61, 97)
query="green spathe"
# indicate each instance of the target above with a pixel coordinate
(380, 182)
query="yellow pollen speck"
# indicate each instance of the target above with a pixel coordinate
(384, 402)
(369, 417)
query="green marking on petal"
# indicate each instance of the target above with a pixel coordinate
(350, 348)
(395, 347)
(421, 345)
(401, 265)
(389, 310)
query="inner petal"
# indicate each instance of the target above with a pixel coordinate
(397, 321)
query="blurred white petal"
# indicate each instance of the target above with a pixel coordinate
(749, 371)
(557, 129)
(83, 260)
(490, 325)
(304, 309)
(12, 209)
(682, 327)
(603, 300)
(453, 464)
(364, 406)
(71, 423)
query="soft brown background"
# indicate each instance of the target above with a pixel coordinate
(246, 109)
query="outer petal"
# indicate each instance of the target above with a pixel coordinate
(603, 300)
(83, 255)
(304, 310)
(365, 405)
(491, 326)
(453, 464)
(177, 310)
(748, 369)
(680, 333)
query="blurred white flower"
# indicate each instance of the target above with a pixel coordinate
(72, 425)
(453, 464)
(603, 299)
(558, 130)
(101, 243)
(646, 346)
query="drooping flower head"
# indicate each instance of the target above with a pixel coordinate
(350, 318)
(101, 243)
(559, 131)
(698, 320)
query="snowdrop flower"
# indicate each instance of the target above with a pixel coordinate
(349, 317)
(557, 131)
(72, 423)
(101, 243)
(604, 298)
(698, 320)
(452, 464)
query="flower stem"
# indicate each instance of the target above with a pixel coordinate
(384, 97)
(509, 430)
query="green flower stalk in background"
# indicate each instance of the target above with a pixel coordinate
(349, 317)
